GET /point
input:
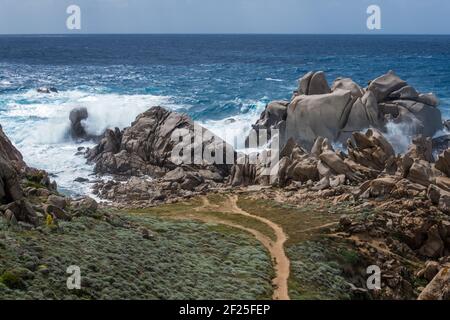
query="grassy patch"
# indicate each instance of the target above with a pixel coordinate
(184, 260)
(319, 265)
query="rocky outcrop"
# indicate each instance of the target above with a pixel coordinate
(13, 201)
(146, 147)
(76, 117)
(336, 113)
(27, 196)
(439, 286)
(47, 90)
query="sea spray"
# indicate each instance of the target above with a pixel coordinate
(399, 135)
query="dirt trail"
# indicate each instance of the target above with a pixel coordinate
(276, 249)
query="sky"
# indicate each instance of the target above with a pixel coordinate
(225, 16)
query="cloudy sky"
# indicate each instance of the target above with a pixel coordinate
(225, 16)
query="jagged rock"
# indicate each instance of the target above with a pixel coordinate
(434, 246)
(371, 149)
(421, 148)
(421, 172)
(364, 114)
(273, 117)
(444, 203)
(382, 186)
(430, 271)
(244, 173)
(187, 180)
(145, 148)
(443, 162)
(442, 143)
(10, 189)
(434, 194)
(322, 184)
(439, 287)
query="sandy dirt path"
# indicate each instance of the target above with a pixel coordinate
(275, 248)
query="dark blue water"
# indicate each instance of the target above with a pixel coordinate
(211, 77)
(215, 75)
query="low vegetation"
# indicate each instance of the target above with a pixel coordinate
(180, 259)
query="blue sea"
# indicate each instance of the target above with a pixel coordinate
(211, 77)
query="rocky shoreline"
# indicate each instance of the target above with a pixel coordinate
(334, 146)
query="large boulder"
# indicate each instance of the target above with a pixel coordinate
(147, 146)
(313, 83)
(311, 116)
(76, 117)
(316, 110)
(273, 117)
(348, 84)
(439, 287)
(386, 84)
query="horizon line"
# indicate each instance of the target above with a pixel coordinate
(371, 34)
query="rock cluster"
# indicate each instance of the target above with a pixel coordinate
(335, 113)
(411, 191)
(145, 150)
(27, 196)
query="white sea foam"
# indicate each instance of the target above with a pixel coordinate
(236, 127)
(38, 124)
(272, 79)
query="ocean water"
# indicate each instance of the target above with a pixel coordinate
(211, 77)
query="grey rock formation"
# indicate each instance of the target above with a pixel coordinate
(336, 113)
(145, 148)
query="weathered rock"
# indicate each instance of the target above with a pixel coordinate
(348, 84)
(383, 86)
(371, 149)
(430, 271)
(434, 194)
(443, 162)
(382, 186)
(421, 172)
(434, 246)
(313, 83)
(77, 130)
(57, 201)
(85, 205)
(146, 147)
(336, 114)
(439, 287)
(312, 116)
(56, 212)
(273, 117)
(22, 211)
